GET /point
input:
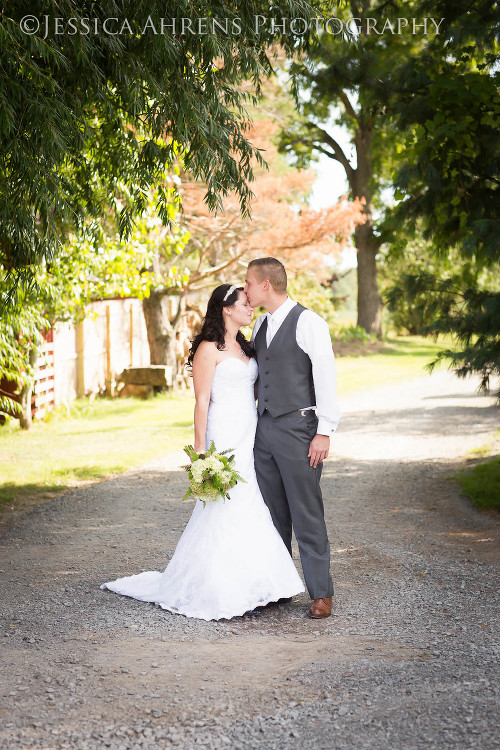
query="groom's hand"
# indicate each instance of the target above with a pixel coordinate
(319, 449)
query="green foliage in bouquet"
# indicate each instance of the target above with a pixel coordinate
(211, 474)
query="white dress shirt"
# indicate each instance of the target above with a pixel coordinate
(313, 337)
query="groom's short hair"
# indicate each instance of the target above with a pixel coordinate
(272, 270)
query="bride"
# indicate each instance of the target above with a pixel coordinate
(230, 558)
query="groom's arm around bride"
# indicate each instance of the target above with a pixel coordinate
(298, 414)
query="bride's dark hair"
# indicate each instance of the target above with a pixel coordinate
(213, 328)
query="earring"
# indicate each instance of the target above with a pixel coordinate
(228, 313)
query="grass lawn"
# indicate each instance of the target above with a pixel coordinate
(92, 440)
(398, 358)
(481, 484)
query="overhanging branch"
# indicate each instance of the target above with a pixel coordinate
(348, 106)
(338, 152)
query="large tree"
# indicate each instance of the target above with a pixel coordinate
(220, 246)
(447, 105)
(343, 80)
(282, 223)
(85, 271)
(88, 109)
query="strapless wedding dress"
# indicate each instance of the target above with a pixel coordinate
(230, 557)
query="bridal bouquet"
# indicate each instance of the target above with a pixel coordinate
(211, 474)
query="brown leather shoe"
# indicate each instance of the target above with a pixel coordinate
(321, 608)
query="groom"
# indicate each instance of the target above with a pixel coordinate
(298, 412)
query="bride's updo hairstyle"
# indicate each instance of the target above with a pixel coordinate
(213, 328)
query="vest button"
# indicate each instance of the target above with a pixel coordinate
(266, 372)
(266, 399)
(266, 385)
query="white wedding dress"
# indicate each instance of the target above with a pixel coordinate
(230, 558)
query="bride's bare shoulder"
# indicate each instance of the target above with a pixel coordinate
(206, 352)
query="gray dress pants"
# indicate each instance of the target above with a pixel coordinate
(291, 491)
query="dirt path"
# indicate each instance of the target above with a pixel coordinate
(407, 660)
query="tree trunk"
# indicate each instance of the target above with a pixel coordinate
(161, 332)
(369, 300)
(25, 395)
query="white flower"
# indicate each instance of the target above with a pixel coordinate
(214, 464)
(196, 473)
(198, 467)
(208, 470)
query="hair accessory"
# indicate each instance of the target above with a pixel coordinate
(230, 291)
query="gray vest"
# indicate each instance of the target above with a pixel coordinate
(285, 371)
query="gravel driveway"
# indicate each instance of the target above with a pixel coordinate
(406, 661)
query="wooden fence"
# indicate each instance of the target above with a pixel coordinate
(84, 359)
(43, 393)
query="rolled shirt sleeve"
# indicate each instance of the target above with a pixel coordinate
(313, 337)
